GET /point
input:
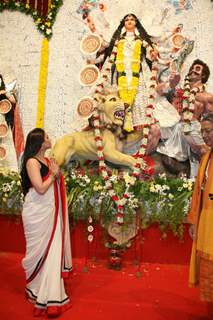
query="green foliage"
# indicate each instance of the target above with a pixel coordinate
(11, 197)
(160, 200)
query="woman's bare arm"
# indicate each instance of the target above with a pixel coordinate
(33, 170)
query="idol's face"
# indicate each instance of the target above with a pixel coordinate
(129, 23)
(207, 132)
(195, 73)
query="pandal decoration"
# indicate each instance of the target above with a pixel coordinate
(128, 96)
(90, 44)
(85, 106)
(44, 61)
(89, 75)
(178, 40)
(44, 22)
(5, 106)
(3, 152)
(3, 129)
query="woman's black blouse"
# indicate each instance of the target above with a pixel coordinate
(26, 183)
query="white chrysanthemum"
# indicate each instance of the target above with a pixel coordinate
(144, 141)
(48, 31)
(162, 175)
(122, 202)
(99, 143)
(111, 192)
(97, 132)
(120, 219)
(6, 187)
(113, 178)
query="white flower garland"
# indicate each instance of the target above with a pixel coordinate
(142, 150)
(189, 102)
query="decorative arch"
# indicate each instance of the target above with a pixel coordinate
(43, 12)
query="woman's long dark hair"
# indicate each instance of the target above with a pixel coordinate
(34, 141)
(117, 34)
(2, 85)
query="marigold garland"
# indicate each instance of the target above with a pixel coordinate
(42, 83)
(128, 93)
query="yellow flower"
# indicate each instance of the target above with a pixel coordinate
(128, 179)
(38, 21)
(27, 6)
(97, 186)
(152, 188)
(128, 93)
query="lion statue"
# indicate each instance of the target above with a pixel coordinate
(82, 145)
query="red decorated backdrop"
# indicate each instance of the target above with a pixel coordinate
(40, 5)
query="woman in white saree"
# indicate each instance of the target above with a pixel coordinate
(45, 218)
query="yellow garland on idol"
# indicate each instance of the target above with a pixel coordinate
(128, 92)
(42, 83)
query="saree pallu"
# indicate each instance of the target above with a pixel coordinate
(48, 254)
(201, 215)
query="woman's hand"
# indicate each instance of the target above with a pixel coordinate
(54, 168)
(192, 232)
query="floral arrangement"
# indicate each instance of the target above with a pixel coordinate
(160, 200)
(166, 201)
(11, 197)
(44, 24)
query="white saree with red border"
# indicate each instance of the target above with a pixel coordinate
(48, 254)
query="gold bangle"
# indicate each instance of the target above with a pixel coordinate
(52, 176)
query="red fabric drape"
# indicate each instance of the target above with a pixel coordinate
(45, 8)
(42, 7)
(18, 136)
(32, 3)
